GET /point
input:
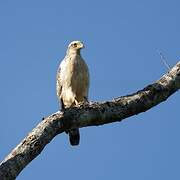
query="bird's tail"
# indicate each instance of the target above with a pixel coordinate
(74, 137)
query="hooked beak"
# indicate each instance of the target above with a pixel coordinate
(82, 46)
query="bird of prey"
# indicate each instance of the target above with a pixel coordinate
(72, 83)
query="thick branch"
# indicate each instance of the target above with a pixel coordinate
(88, 115)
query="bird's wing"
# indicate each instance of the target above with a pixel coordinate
(86, 77)
(59, 82)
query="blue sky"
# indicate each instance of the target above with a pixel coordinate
(122, 39)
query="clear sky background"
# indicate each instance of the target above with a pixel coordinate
(122, 38)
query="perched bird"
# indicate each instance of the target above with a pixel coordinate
(72, 83)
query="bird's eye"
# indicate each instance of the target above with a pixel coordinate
(75, 44)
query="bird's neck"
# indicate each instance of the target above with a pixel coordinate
(73, 52)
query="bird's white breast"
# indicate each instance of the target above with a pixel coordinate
(75, 80)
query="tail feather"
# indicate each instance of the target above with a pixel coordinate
(74, 137)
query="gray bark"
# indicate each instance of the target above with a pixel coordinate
(84, 115)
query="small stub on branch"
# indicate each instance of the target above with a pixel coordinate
(164, 60)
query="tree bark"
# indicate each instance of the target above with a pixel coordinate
(83, 115)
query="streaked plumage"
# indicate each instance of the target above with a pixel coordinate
(72, 83)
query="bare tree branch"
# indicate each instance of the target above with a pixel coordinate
(92, 114)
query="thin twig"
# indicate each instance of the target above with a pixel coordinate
(164, 60)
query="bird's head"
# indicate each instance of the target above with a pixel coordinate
(75, 46)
